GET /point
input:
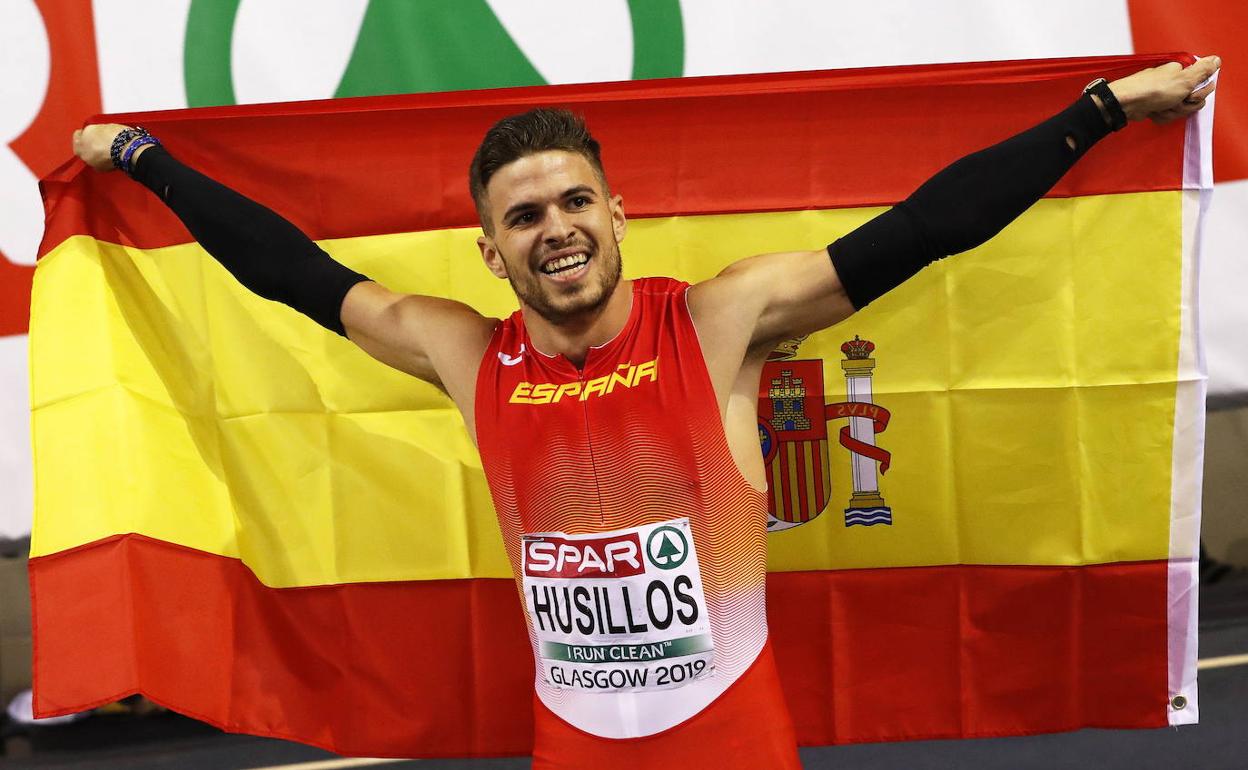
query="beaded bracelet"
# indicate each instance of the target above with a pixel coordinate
(120, 142)
(145, 139)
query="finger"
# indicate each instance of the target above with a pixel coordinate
(1200, 93)
(1192, 109)
(1177, 113)
(1202, 70)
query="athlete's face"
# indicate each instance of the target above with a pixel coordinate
(556, 234)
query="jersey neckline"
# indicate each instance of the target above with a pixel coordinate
(594, 351)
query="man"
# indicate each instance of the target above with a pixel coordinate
(617, 419)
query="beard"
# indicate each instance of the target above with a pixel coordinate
(558, 306)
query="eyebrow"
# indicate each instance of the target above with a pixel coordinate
(580, 189)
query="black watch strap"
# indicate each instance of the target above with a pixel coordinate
(1117, 116)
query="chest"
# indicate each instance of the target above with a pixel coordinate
(623, 440)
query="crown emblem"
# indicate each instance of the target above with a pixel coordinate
(787, 350)
(858, 349)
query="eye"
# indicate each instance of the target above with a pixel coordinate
(579, 202)
(523, 219)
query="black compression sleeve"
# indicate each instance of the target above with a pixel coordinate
(266, 253)
(965, 204)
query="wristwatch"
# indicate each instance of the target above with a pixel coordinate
(1116, 115)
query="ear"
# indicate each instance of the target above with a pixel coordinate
(493, 260)
(619, 222)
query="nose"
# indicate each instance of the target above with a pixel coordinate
(558, 226)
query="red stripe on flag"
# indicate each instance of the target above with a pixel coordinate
(432, 668)
(804, 503)
(821, 498)
(444, 668)
(771, 142)
(786, 512)
(960, 651)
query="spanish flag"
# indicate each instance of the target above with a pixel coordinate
(984, 487)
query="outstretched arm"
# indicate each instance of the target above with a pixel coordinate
(960, 208)
(274, 259)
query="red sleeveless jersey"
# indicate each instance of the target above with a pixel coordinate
(638, 547)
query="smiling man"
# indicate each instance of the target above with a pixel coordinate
(633, 510)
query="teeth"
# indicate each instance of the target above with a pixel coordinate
(564, 263)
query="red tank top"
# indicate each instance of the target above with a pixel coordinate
(638, 547)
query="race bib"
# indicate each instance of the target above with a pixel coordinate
(619, 611)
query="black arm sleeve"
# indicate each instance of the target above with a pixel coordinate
(265, 252)
(965, 204)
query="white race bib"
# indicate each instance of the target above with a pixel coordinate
(619, 611)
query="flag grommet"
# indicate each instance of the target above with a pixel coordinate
(1178, 703)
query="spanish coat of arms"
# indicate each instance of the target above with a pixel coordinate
(793, 432)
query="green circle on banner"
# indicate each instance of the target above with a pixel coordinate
(404, 46)
(667, 547)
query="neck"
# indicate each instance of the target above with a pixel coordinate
(575, 336)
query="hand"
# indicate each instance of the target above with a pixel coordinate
(1166, 93)
(93, 143)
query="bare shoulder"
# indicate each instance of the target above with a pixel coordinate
(756, 302)
(726, 310)
(438, 340)
(728, 301)
(769, 297)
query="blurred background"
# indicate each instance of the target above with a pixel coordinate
(62, 61)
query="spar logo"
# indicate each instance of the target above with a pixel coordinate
(612, 556)
(793, 434)
(667, 547)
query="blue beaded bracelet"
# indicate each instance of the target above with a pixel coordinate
(143, 140)
(120, 141)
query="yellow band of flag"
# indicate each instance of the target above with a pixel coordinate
(1037, 407)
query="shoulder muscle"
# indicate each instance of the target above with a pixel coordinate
(438, 340)
(782, 295)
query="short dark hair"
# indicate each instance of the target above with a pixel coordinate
(514, 137)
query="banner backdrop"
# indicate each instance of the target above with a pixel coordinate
(62, 60)
(982, 487)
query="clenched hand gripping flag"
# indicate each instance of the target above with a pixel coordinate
(984, 487)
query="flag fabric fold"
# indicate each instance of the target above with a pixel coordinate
(983, 488)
